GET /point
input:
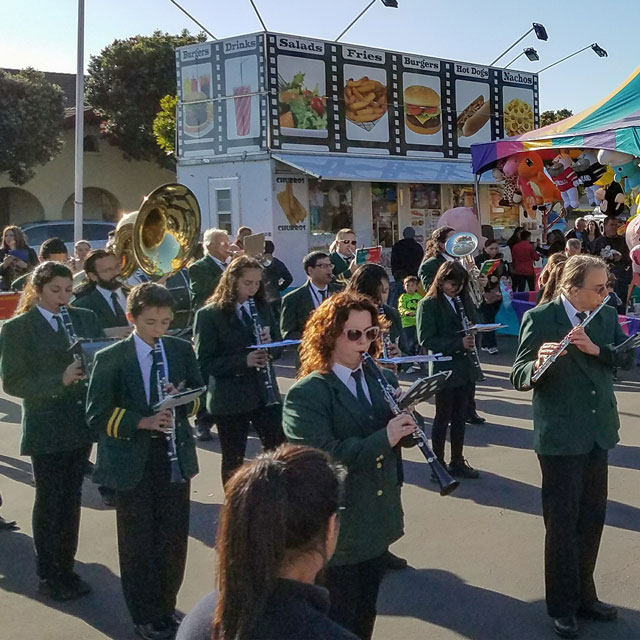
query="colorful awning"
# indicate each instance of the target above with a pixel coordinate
(613, 123)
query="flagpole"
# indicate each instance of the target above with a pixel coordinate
(79, 141)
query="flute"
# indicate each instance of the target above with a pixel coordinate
(549, 360)
(445, 480)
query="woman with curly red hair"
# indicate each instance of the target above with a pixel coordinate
(336, 407)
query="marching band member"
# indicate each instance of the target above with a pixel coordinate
(336, 407)
(204, 274)
(152, 505)
(298, 304)
(278, 528)
(575, 423)
(435, 255)
(439, 328)
(237, 397)
(343, 251)
(38, 367)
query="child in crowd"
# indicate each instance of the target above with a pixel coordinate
(407, 306)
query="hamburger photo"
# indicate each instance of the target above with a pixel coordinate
(422, 112)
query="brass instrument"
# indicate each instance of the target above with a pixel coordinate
(474, 352)
(446, 482)
(565, 342)
(461, 246)
(162, 235)
(266, 374)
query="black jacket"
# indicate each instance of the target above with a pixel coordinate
(406, 256)
(276, 278)
(294, 610)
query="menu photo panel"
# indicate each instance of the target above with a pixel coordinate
(519, 103)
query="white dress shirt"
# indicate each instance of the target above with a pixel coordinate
(49, 317)
(317, 294)
(239, 308)
(571, 311)
(221, 264)
(344, 375)
(106, 294)
(145, 360)
(452, 302)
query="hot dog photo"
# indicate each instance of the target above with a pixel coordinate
(473, 108)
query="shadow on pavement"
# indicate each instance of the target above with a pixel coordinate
(203, 523)
(445, 600)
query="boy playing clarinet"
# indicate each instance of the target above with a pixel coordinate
(134, 447)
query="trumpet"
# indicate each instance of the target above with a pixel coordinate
(565, 342)
(474, 352)
(266, 374)
(446, 482)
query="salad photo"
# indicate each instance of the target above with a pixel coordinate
(299, 106)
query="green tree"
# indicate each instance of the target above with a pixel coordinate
(549, 117)
(31, 118)
(164, 126)
(126, 83)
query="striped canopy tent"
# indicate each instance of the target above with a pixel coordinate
(613, 124)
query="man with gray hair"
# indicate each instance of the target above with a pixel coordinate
(204, 274)
(579, 227)
(573, 247)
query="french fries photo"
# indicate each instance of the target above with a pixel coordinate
(365, 100)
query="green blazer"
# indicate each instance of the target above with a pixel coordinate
(319, 411)
(221, 341)
(439, 329)
(297, 306)
(20, 283)
(428, 269)
(94, 301)
(116, 402)
(204, 275)
(340, 265)
(34, 357)
(574, 406)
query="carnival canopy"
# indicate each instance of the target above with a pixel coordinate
(613, 124)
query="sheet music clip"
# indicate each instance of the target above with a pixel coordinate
(423, 389)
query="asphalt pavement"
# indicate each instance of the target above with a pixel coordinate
(475, 556)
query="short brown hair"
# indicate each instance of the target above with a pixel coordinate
(146, 295)
(576, 268)
(409, 279)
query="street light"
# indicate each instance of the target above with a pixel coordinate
(530, 52)
(597, 49)
(253, 4)
(393, 4)
(186, 13)
(541, 34)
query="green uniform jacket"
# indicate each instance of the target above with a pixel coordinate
(221, 341)
(321, 412)
(95, 301)
(116, 402)
(20, 283)
(34, 357)
(574, 406)
(204, 275)
(297, 306)
(428, 269)
(340, 265)
(440, 330)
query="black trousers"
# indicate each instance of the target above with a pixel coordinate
(489, 313)
(452, 406)
(574, 505)
(56, 510)
(519, 282)
(233, 430)
(153, 531)
(353, 590)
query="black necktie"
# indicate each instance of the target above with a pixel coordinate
(581, 315)
(246, 318)
(360, 395)
(121, 318)
(323, 294)
(60, 330)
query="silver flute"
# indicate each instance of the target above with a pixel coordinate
(564, 343)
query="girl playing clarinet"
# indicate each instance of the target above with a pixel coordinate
(38, 367)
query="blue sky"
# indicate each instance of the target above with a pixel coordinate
(42, 33)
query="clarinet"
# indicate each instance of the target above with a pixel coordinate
(474, 352)
(172, 450)
(547, 362)
(265, 373)
(386, 339)
(446, 482)
(70, 332)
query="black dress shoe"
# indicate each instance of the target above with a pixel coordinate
(566, 627)
(75, 582)
(153, 631)
(600, 611)
(460, 468)
(57, 590)
(8, 525)
(475, 419)
(393, 562)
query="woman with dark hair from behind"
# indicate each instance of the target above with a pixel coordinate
(523, 256)
(16, 257)
(278, 528)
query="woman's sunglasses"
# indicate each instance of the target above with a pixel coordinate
(355, 335)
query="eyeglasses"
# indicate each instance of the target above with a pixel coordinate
(355, 335)
(599, 289)
(353, 242)
(323, 265)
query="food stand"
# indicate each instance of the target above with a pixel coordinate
(299, 137)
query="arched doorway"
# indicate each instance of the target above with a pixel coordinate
(18, 207)
(98, 205)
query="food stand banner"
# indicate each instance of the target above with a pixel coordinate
(302, 94)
